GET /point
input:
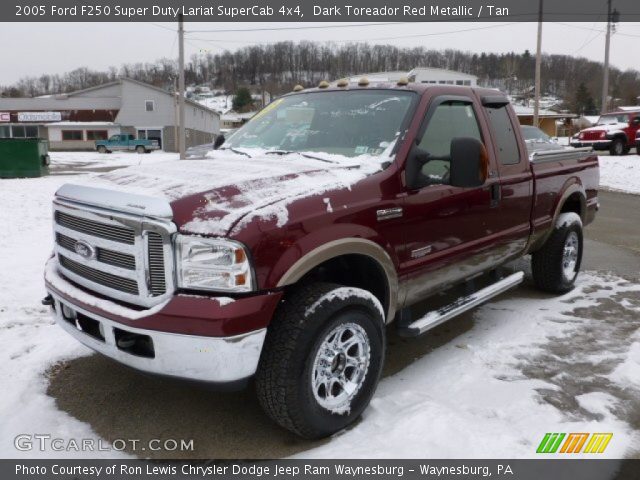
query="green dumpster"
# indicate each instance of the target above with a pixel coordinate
(23, 157)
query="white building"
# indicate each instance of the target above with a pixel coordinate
(440, 76)
(435, 76)
(74, 121)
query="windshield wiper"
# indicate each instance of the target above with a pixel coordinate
(305, 155)
(235, 150)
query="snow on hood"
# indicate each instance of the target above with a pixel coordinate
(235, 189)
(609, 127)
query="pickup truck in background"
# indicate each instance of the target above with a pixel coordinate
(288, 253)
(127, 143)
(615, 132)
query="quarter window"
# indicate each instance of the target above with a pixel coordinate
(450, 120)
(503, 132)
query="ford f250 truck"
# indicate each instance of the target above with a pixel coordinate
(287, 254)
(614, 131)
(126, 143)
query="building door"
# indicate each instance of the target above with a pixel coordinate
(151, 134)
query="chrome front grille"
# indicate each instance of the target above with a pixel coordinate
(118, 255)
(115, 282)
(97, 229)
(110, 257)
(156, 264)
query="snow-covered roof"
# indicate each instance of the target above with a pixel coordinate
(442, 71)
(630, 108)
(522, 111)
(83, 124)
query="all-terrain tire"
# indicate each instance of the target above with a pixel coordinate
(297, 353)
(617, 147)
(556, 265)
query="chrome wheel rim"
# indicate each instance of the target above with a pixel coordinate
(570, 255)
(340, 367)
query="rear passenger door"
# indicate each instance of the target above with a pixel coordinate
(514, 200)
(449, 232)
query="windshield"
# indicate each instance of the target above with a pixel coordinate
(611, 119)
(533, 133)
(348, 123)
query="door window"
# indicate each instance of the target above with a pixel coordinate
(451, 119)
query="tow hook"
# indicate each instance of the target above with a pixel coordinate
(48, 301)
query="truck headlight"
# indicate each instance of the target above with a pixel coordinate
(213, 264)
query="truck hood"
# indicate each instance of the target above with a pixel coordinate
(225, 191)
(609, 128)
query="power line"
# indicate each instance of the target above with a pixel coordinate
(398, 37)
(163, 27)
(271, 29)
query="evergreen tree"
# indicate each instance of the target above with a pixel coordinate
(242, 99)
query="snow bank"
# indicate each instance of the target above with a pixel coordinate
(620, 173)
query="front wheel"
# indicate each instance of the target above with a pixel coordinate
(556, 265)
(322, 359)
(617, 147)
(102, 149)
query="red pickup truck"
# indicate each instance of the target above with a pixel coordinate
(287, 253)
(614, 131)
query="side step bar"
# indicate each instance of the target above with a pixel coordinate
(436, 317)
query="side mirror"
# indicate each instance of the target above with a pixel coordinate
(469, 163)
(417, 158)
(218, 142)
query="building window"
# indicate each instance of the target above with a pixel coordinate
(5, 132)
(69, 135)
(149, 105)
(467, 83)
(31, 131)
(459, 82)
(97, 135)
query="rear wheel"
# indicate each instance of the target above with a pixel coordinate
(617, 147)
(141, 149)
(556, 265)
(322, 359)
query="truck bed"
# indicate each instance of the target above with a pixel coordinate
(559, 175)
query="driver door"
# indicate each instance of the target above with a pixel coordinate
(448, 230)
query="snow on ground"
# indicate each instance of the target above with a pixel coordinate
(527, 367)
(529, 364)
(620, 173)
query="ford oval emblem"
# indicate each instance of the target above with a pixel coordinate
(85, 250)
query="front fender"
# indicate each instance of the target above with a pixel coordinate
(314, 249)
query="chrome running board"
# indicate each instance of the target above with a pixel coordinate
(436, 317)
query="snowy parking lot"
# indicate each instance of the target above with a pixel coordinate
(488, 385)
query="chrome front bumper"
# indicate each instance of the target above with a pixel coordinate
(221, 360)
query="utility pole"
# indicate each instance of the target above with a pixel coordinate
(181, 88)
(536, 101)
(605, 80)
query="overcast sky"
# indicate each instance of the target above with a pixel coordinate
(33, 49)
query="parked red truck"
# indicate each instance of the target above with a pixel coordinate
(615, 132)
(286, 254)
